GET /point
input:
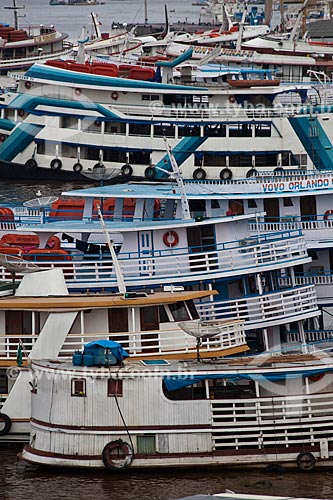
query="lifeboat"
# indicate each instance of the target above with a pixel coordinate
(20, 240)
(138, 73)
(11, 250)
(67, 209)
(253, 83)
(6, 214)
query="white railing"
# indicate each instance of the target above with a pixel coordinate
(18, 61)
(290, 223)
(276, 421)
(248, 255)
(138, 344)
(310, 336)
(264, 310)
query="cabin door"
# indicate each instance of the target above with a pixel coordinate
(308, 207)
(201, 239)
(149, 318)
(14, 326)
(271, 207)
(236, 207)
(146, 251)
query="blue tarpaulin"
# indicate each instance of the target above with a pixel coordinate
(114, 347)
(174, 382)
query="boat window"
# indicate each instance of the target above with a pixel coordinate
(216, 130)
(163, 315)
(68, 122)
(164, 130)
(150, 97)
(263, 130)
(214, 160)
(192, 309)
(92, 153)
(195, 391)
(187, 130)
(78, 387)
(139, 157)
(116, 156)
(3, 381)
(115, 128)
(287, 202)
(252, 203)
(179, 311)
(115, 387)
(240, 161)
(139, 129)
(240, 130)
(41, 147)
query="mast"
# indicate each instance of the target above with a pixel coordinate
(15, 8)
(146, 12)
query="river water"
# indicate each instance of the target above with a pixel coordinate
(19, 481)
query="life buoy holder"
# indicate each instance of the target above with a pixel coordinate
(77, 167)
(170, 238)
(126, 170)
(114, 96)
(306, 461)
(199, 174)
(7, 424)
(117, 455)
(226, 174)
(31, 164)
(27, 84)
(56, 164)
(328, 215)
(78, 91)
(232, 99)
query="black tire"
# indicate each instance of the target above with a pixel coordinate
(278, 170)
(56, 164)
(226, 174)
(251, 173)
(199, 174)
(77, 167)
(31, 164)
(8, 424)
(150, 172)
(126, 170)
(306, 462)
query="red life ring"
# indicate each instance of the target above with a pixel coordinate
(327, 215)
(114, 96)
(170, 238)
(117, 455)
(316, 377)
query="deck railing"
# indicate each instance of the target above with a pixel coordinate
(273, 421)
(148, 344)
(264, 310)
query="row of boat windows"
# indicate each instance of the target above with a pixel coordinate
(148, 130)
(144, 157)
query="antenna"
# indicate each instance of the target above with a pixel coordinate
(200, 330)
(15, 8)
(117, 269)
(178, 178)
(41, 202)
(16, 264)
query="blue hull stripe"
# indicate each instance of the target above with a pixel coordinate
(315, 141)
(6, 124)
(19, 139)
(184, 149)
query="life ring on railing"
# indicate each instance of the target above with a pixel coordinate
(78, 91)
(114, 96)
(306, 461)
(56, 164)
(77, 167)
(27, 84)
(316, 377)
(327, 215)
(7, 424)
(170, 238)
(232, 99)
(117, 455)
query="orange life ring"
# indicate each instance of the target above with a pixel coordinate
(327, 215)
(78, 91)
(170, 238)
(114, 96)
(231, 99)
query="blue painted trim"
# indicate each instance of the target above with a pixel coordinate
(7, 124)
(185, 147)
(22, 135)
